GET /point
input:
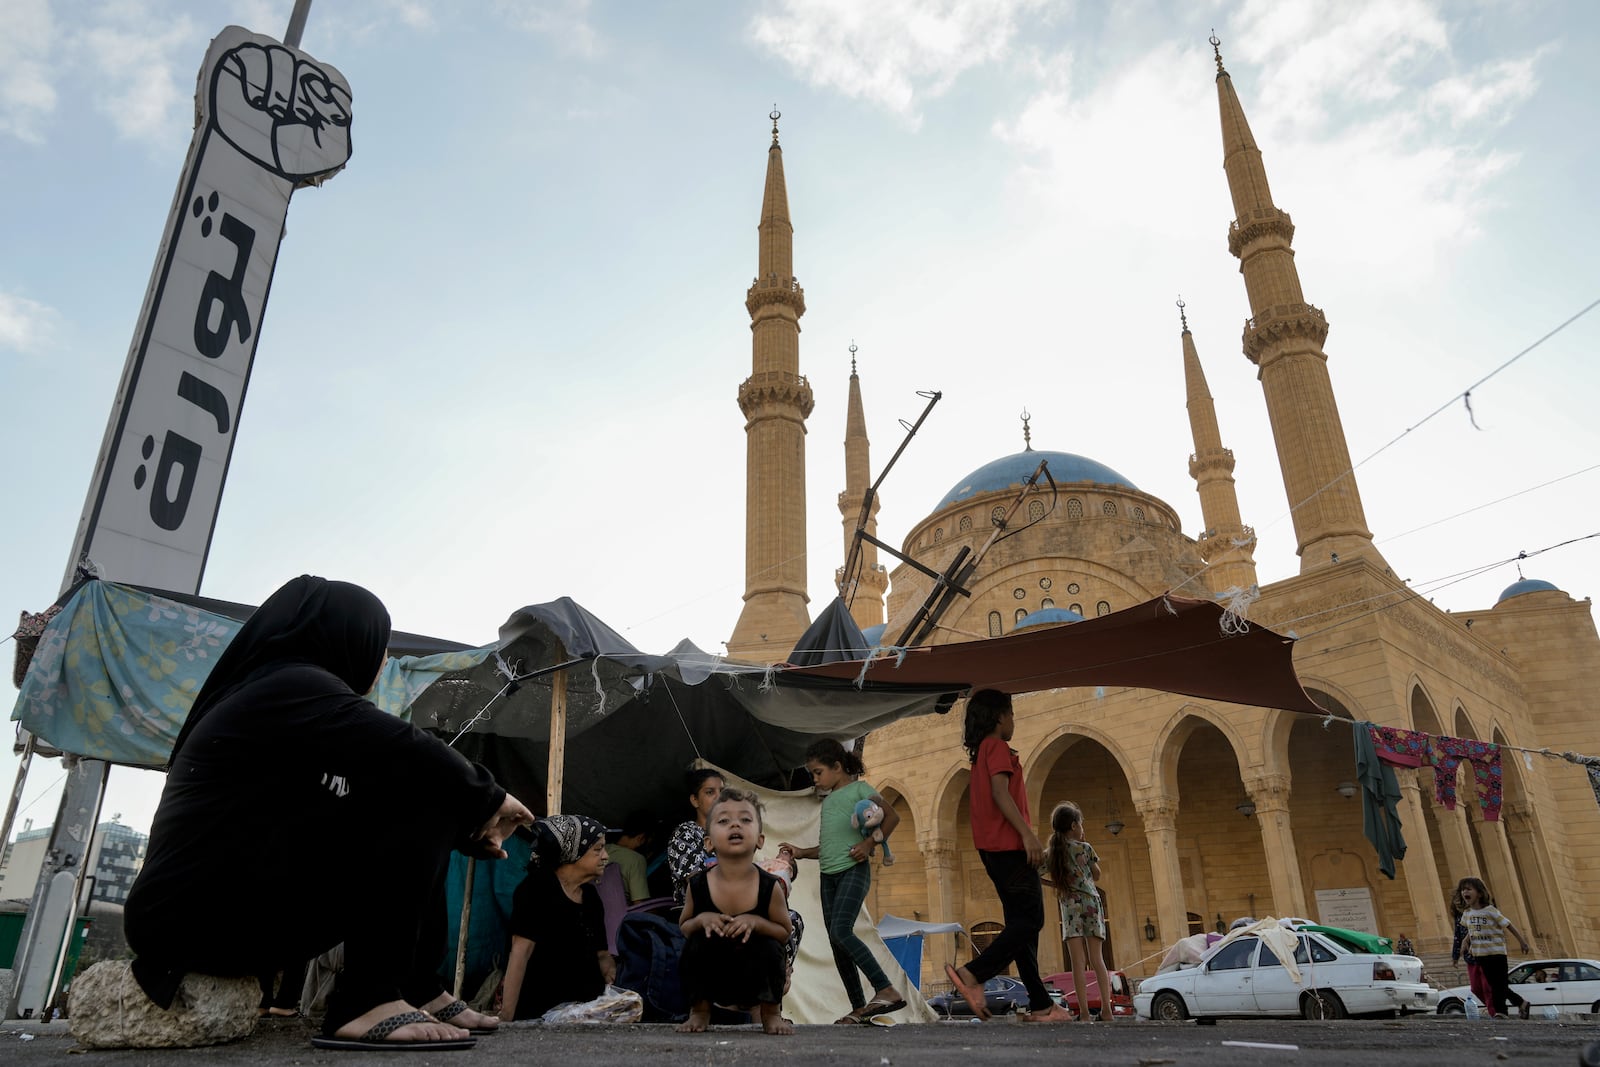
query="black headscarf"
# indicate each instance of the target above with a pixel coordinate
(337, 626)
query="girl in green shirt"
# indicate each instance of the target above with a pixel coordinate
(844, 855)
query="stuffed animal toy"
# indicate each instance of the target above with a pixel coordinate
(866, 818)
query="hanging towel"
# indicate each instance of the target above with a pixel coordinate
(1380, 801)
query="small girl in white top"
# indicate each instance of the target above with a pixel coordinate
(1486, 927)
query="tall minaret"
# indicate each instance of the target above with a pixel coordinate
(775, 399)
(1227, 544)
(871, 580)
(1284, 339)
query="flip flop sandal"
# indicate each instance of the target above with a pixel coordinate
(973, 995)
(853, 1018)
(374, 1040)
(456, 1007)
(874, 1008)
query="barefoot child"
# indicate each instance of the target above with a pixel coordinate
(844, 856)
(1075, 868)
(1011, 854)
(736, 919)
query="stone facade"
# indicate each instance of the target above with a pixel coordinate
(1203, 812)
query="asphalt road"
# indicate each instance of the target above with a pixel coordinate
(1425, 1040)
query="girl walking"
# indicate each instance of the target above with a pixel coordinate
(736, 921)
(1486, 928)
(1075, 868)
(1011, 855)
(844, 856)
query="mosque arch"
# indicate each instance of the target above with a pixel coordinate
(1183, 723)
(952, 789)
(1278, 726)
(901, 888)
(1461, 724)
(1036, 766)
(1549, 925)
(1424, 713)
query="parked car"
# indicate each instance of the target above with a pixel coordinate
(1569, 985)
(1066, 994)
(1002, 993)
(1244, 977)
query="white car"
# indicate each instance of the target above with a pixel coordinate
(1244, 977)
(1569, 986)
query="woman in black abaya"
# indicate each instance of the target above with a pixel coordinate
(297, 815)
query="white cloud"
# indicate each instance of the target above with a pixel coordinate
(1375, 128)
(892, 53)
(567, 21)
(137, 55)
(24, 324)
(27, 96)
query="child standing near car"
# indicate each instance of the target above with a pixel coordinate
(1461, 952)
(1075, 868)
(1486, 929)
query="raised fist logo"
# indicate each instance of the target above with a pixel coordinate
(285, 111)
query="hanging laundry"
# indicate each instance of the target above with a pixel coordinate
(1448, 752)
(1401, 748)
(1380, 802)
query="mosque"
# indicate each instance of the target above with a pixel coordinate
(1201, 812)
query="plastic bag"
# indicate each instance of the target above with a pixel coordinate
(615, 1005)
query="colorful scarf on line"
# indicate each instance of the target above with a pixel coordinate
(564, 838)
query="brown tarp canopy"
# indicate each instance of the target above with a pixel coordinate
(1171, 643)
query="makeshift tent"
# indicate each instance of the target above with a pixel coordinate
(116, 670)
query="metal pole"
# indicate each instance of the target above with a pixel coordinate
(16, 792)
(297, 23)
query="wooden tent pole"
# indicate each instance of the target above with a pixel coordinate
(558, 742)
(466, 921)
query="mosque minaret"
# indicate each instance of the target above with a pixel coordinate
(775, 399)
(1227, 544)
(1284, 337)
(871, 581)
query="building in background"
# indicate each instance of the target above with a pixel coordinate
(114, 861)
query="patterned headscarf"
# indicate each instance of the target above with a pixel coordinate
(564, 838)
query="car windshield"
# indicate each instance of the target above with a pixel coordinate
(1527, 973)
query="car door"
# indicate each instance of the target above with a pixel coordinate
(1275, 990)
(1536, 983)
(1579, 987)
(1226, 986)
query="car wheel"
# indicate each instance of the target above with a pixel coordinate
(1168, 1008)
(1321, 1004)
(1452, 1007)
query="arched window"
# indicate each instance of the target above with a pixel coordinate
(965, 524)
(994, 624)
(1047, 603)
(1074, 508)
(938, 535)
(1102, 608)
(1138, 514)
(1108, 507)
(997, 516)
(1022, 613)
(1077, 608)
(1035, 510)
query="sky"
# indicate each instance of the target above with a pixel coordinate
(500, 360)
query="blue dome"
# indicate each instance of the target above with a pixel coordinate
(1013, 470)
(1527, 585)
(1046, 616)
(874, 634)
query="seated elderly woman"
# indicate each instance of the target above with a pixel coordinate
(297, 815)
(558, 931)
